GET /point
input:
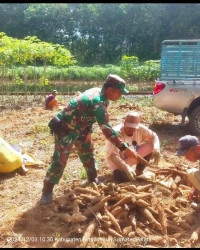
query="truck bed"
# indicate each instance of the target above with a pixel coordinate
(180, 61)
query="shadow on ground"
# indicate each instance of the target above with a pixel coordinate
(171, 128)
(40, 227)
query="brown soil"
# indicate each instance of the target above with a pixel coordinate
(25, 223)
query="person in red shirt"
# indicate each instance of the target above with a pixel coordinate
(51, 102)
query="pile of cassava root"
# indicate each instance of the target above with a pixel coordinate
(137, 214)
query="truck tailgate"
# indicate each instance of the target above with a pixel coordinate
(180, 60)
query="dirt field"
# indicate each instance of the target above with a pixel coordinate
(25, 223)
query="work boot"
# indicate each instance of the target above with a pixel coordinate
(88, 182)
(120, 176)
(47, 193)
(139, 169)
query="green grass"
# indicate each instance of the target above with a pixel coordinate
(76, 78)
(83, 173)
(40, 128)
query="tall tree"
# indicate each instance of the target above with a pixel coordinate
(102, 33)
(50, 22)
(12, 19)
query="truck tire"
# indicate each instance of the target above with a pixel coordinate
(194, 121)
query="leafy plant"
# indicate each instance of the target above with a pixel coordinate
(44, 81)
(18, 80)
(83, 173)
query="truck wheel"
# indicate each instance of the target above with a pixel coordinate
(194, 121)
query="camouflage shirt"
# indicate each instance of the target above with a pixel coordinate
(86, 109)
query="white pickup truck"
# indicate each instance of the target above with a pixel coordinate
(178, 89)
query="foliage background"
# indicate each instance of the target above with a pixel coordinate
(100, 33)
(30, 64)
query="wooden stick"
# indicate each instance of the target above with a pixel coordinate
(142, 160)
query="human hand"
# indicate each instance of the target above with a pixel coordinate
(155, 156)
(130, 173)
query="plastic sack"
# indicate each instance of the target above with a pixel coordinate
(10, 159)
(28, 158)
(147, 175)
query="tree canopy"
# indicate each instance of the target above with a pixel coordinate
(100, 33)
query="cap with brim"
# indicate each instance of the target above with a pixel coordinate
(121, 86)
(123, 89)
(181, 152)
(132, 125)
(117, 82)
(185, 143)
(132, 120)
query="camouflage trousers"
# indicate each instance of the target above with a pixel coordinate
(63, 147)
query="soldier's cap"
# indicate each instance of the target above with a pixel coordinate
(185, 143)
(116, 82)
(132, 120)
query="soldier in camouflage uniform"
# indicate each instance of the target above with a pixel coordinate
(75, 128)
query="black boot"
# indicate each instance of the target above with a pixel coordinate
(140, 167)
(47, 193)
(91, 177)
(120, 176)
